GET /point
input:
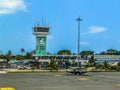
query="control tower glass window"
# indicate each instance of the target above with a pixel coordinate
(41, 30)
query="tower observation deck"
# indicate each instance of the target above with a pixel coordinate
(41, 33)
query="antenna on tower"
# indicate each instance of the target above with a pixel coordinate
(42, 21)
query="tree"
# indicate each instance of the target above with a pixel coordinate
(98, 66)
(19, 57)
(8, 55)
(52, 65)
(92, 61)
(22, 51)
(103, 53)
(2, 56)
(88, 52)
(64, 52)
(106, 65)
(110, 52)
(13, 57)
(118, 66)
(33, 68)
(28, 55)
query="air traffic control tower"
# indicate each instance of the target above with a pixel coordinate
(41, 33)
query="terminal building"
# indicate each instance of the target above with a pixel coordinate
(43, 59)
(63, 61)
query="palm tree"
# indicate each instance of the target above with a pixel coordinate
(8, 55)
(52, 65)
(9, 52)
(22, 51)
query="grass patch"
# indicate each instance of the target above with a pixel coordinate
(36, 71)
(104, 71)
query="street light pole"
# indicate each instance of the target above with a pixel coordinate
(78, 19)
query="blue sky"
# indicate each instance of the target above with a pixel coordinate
(99, 31)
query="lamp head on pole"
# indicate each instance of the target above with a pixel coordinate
(78, 19)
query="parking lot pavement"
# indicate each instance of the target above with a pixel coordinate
(60, 81)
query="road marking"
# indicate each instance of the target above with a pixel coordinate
(58, 75)
(7, 88)
(118, 85)
(83, 79)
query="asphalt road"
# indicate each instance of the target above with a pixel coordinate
(60, 81)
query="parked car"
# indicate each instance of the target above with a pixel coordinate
(23, 67)
(27, 67)
(20, 67)
(76, 71)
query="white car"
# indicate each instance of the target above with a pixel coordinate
(75, 71)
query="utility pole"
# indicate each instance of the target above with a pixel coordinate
(78, 20)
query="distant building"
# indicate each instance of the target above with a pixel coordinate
(3, 63)
(109, 58)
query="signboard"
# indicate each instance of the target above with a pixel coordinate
(41, 45)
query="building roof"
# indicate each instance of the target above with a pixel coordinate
(3, 60)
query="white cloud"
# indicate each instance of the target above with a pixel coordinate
(84, 43)
(12, 6)
(96, 29)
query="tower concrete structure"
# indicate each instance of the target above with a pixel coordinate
(41, 33)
